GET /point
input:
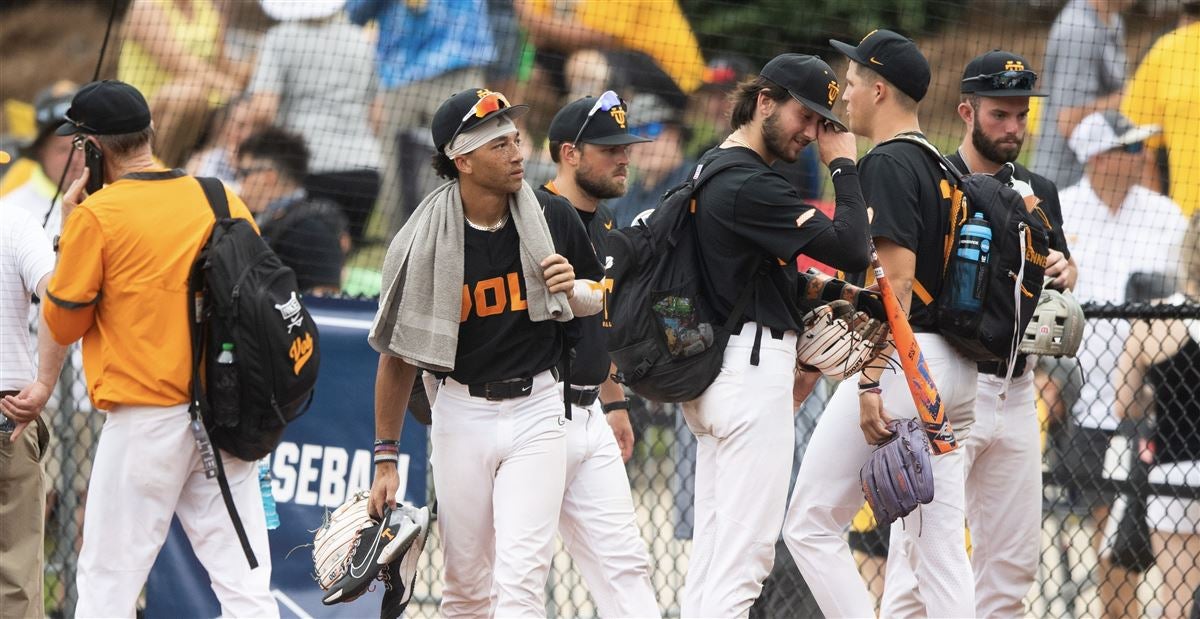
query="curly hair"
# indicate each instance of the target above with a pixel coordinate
(444, 166)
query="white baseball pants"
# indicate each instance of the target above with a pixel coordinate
(146, 469)
(828, 493)
(499, 469)
(745, 438)
(597, 522)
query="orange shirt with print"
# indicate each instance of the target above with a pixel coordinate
(121, 284)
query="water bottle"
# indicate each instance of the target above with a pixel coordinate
(224, 393)
(969, 279)
(268, 497)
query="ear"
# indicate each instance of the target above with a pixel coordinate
(766, 105)
(568, 153)
(463, 164)
(966, 113)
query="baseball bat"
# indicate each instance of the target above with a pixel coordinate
(925, 394)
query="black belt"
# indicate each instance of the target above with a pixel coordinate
(1000, 368)
(582, 397)
(502, 389)
(776, 334)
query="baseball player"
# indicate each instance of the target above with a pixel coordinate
(887, 78)
(477, 287)
(754, 224)
(1003, 458)
(590, 143)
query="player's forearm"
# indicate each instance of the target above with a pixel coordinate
(51, 355)
(843, 245)
(393, 384)
(610, 391)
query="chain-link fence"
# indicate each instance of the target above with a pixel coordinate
(320, 111)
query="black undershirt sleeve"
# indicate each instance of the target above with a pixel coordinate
(843, 245)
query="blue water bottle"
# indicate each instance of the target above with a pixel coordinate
(268, 497)
(970, 270)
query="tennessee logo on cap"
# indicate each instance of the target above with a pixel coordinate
(618, 114)
(482, 92)
(833, 91)
(1014, 65)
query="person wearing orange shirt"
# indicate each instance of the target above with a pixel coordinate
(124, 258)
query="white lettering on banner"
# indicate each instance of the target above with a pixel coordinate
(336, 473)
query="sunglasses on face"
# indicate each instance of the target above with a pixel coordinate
(606, 102)
(491, 102)
(1006, 80)
(242, 173)
(1130, 149)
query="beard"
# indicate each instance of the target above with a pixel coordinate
(993, 150)
(597, 186)
(775, 141)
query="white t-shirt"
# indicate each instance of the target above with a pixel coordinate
(1143, 236)
(26, 256)
(33, 196)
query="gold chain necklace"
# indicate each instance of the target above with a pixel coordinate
(492, 228)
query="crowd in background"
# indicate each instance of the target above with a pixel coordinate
(321, 125)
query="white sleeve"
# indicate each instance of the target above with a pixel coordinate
(589, 297)
(35, 255)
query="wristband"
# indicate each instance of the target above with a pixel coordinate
(875, 390)
(387, 449)
(617, 405)
(868, 385)
(386, 441)
(381, 458)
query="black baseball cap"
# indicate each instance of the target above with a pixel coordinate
(893, 56)
(809, 80)
(999, 74)
(107, 107)
(448, 120)
(606, 118)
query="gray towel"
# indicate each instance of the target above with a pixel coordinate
(421, 298)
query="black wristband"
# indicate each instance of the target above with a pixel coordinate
(618, 405)
(845, 164)
(868, 385)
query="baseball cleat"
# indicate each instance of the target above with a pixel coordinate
(401, 575)
(397, 532)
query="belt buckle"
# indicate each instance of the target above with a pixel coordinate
(487, 393)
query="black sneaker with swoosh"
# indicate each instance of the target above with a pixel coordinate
(377, 545)
(400, 576)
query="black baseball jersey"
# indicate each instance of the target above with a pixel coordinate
(1047, 195)
(911, 198)
(591, 363)
(1176, 383)
(496, 338)
(750, 217)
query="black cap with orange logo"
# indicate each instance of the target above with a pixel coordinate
(809, 80)
(893, 56)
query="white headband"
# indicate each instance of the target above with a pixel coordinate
(481, 134)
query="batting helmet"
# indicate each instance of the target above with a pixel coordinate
(1056, 328)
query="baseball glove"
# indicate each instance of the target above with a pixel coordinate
(838, 341)
(899, 475)
(350, 548)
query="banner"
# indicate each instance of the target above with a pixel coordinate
(325, 456)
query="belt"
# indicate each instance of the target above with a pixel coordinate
(776, 334)
(582, 397)
(1000, 368)
(502, 389)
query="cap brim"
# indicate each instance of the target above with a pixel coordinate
(1139, 134)
(617, 139)
(68, 128)
(825, 112)
(848, 51)
(1011, 92)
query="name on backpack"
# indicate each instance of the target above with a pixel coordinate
(300, 352)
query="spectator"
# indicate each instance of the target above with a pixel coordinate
(425, 50)
(1117, 227)
(229, 126)
(657, 166)
(1084, 72)
(307, 232)
(1159, 371)
(51, 154)
(146, 225)
(26, 261)
(1164, 92)
(174, 54)
(315, 77)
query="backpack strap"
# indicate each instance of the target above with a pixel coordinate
(214, 192)
(931, 150)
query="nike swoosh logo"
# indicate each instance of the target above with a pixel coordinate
(873, 61)
(837, 171)
(525, 388)
(608, 225)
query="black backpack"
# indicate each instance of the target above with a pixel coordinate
(257, 344)
(1019, 241)
(664, 340)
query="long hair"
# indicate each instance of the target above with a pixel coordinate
(745, 99)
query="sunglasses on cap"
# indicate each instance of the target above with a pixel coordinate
(1135, 148)
(649, 130)
(491, 102)
(606, 102)
(1005, 80)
